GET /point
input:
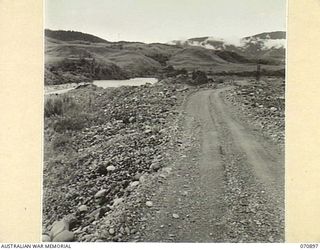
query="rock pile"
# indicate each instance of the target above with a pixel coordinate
(264, 104)
(97, 167)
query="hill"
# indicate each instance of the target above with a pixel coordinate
(200, 58)
(72, 36)
(268, 47)
(107, 61)
(75, 57)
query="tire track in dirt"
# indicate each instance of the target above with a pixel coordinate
(225, 186)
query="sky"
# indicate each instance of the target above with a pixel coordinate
(166, 20)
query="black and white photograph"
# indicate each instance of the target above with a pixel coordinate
(164, 121)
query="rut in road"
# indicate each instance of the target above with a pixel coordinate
(227, 187)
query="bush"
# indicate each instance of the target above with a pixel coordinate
(182, 71)
(70, 122)
(58, 105)
(199, 77)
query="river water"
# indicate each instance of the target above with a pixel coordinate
(100, 83)
(129, 82)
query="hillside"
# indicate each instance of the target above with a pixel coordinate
(73, 36)
(76, 57)
(268, 46)
(270, 35)
(114, 61)
(201, 58)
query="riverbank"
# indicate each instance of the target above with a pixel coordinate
(63, 88)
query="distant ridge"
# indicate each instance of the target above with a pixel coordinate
(270, 35)
(267, 46)
(72, 56)
(71, 35)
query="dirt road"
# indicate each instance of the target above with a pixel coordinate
(227, 184)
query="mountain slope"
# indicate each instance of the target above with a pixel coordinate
(268, 46)
(200, 58)
(114, 59)
(72, 36)
(74, 56)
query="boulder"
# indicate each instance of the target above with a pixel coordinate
(117, 201)
(100, 196)
(155, 166)
(149, 204)
(273, 109)
(176, 216)
(100, 193)
(142, 178)
(64, 236)
(58, 227)
(111, 168)
(83, 208)
(98, 213)
(134, 183)
(46, 238)
(137, 176)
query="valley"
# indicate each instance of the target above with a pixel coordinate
(196, 156)
(68, 61)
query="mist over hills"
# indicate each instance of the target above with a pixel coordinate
(72, 56)
(268, 46)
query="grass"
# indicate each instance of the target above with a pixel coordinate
(63, 113)
(58, 105)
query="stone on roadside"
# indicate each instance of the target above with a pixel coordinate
(155, 166)
(111, 231)
(97, 214)
(117, 201)
(149, 204)
(46, 238)
(64, 236)
(271, 239)
(142, 178)
(134, 183)
(71, 220)
(83, 208)
(111, 168)
(137, 176)
(100, 193)
(58, 227)
(273, 109)
(176, 216)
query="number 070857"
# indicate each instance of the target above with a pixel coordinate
(308, 245)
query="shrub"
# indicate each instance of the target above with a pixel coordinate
(70, 122)
(58, 105)
(199, 77)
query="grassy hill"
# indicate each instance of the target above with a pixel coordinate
(203, 59)
(75, 57)
(72, 36)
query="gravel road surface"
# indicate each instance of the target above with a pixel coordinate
(227, 185)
